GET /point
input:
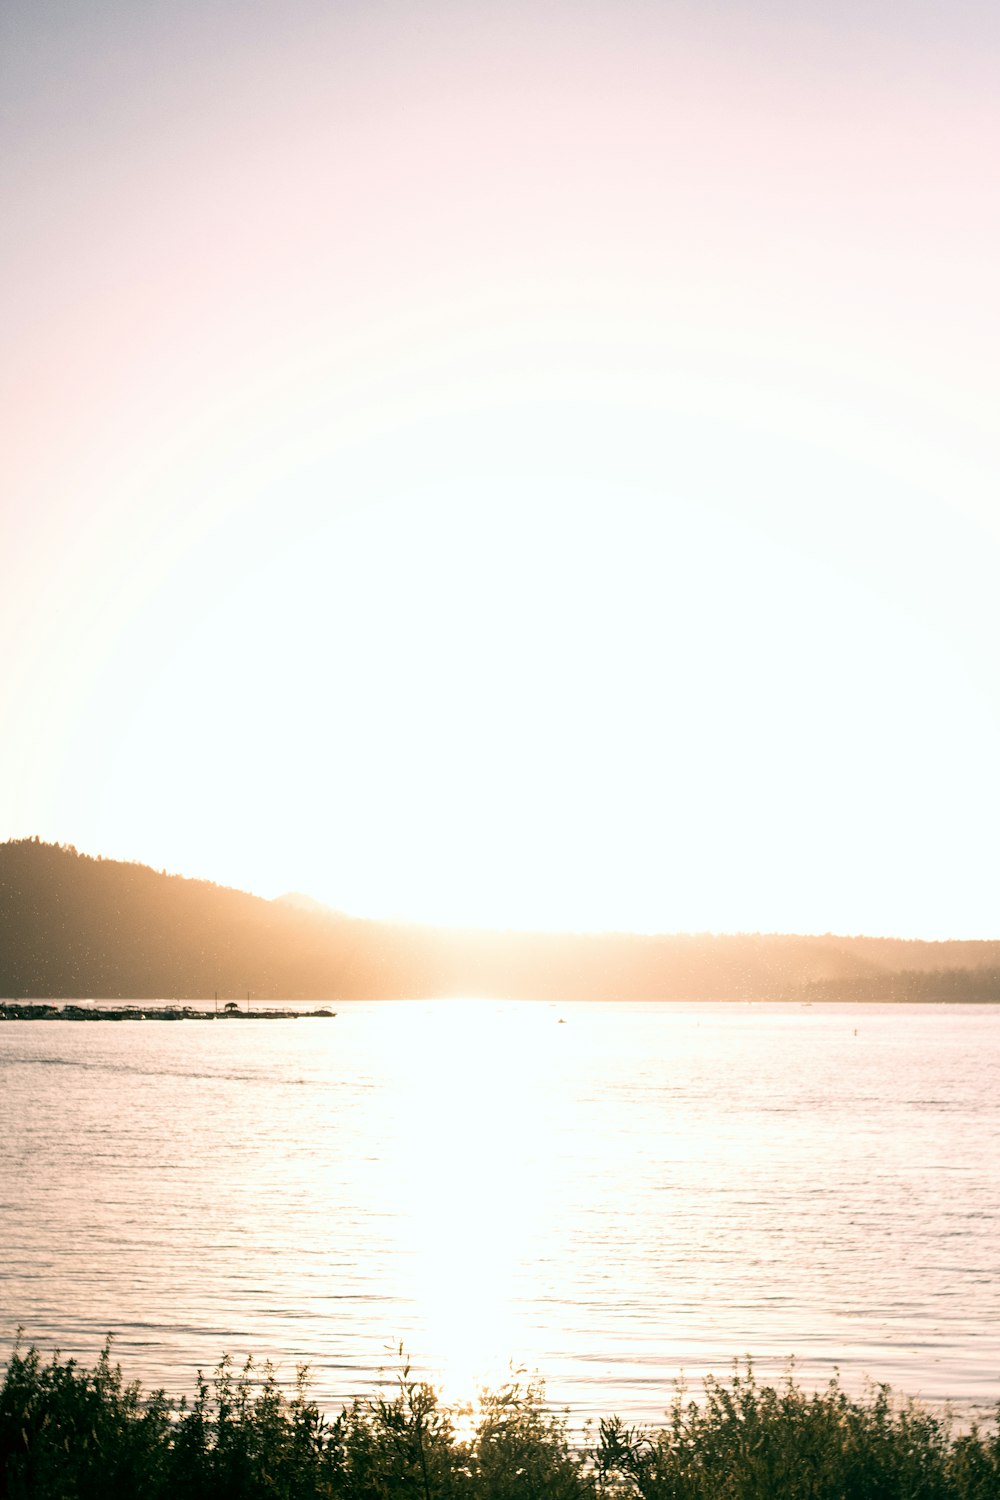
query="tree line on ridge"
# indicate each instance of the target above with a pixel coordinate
(73, 926)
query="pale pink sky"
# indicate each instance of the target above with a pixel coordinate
(508, 463)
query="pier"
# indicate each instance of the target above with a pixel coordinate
(38, 1010)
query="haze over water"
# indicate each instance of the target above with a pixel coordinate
(611, 1194)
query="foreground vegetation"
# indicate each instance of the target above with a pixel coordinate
(71, 1433)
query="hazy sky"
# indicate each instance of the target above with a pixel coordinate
(520, 463)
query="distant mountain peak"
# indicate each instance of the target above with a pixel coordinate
(302, 902)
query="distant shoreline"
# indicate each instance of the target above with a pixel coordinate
(75, 928)
(40, 1011)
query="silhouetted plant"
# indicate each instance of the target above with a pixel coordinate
(68, 1433)
(523, 1450)
(405, 1446)
(746, 1441)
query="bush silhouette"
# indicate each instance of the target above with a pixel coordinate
(69, 1433)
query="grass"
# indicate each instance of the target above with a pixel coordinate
(71, 1433)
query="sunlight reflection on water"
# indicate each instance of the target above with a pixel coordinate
(609, 1194)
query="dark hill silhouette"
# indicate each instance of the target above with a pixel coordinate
(72, 926)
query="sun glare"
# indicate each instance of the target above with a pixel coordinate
(565, 705)
(580, 515)
(472, 1090)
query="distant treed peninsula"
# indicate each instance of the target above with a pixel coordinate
(75, 927)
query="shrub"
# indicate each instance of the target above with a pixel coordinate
(72, 1434)
(68, 1433)
(747, 1441)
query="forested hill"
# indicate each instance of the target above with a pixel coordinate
(72, 926)
(76, 927)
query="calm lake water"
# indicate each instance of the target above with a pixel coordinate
(609, 1194)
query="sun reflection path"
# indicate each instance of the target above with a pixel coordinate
(476, 1084)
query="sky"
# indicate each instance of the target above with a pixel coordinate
(516, 464)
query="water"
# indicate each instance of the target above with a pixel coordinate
(609, 1194)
